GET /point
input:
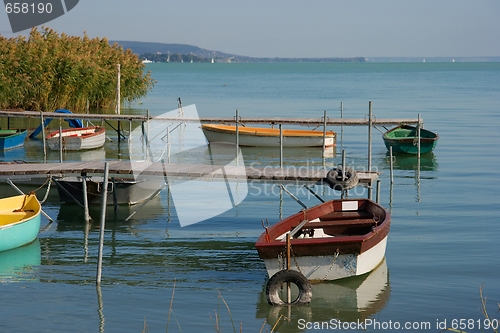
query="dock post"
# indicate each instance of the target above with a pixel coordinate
(129, 130)
(115, 199)
(341, 127)
(60, 145)
(324, 137)
(281, 146)
(391, 167)
(288, 266)
(378, 191)
(370, 124)
(103, 223)
(43, 138)
(118, 97)
(237, 136)
(344, 191)
(85, 199)
(418, 138)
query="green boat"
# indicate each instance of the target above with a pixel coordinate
(403, 139)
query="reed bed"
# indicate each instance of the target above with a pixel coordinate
(46, 71)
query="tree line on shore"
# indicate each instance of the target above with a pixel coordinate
(46, 71)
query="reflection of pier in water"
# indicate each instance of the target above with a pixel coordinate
(426, 163)
(346, 300)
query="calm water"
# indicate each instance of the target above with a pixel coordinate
(442, 247)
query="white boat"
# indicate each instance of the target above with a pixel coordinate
(78, 138)
(267, 137)
(333, 240)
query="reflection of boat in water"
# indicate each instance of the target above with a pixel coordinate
(124, 191)
(71, 217)
(346, 300)
(17, 264)
(410, 162)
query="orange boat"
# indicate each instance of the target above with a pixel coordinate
(267, 137)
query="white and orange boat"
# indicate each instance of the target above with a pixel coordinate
(77, 138)
(333, 240)
(267, 137)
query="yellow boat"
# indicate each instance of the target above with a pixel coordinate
(267, 137)
(19, 221)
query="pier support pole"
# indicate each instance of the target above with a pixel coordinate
(103, 222)
(43, 138)
(118, 98)
(281, 146)
(370, 125)
(342, 127)
(418, 138)
(237, 136)
(324, 138)
(60, 145)
(378, 191)
(85, 198)
(391, 166)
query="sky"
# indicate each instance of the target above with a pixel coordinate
(294, 28)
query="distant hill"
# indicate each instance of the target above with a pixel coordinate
(161, 52)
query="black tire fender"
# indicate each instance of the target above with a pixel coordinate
(336, 182)
(287, 275)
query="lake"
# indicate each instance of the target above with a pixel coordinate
(158, 276)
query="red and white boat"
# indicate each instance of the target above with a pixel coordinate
(333, 240)
(78, 138)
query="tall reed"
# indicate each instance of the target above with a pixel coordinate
(46, 71)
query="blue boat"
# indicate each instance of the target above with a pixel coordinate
(11, 138)
(19, 221)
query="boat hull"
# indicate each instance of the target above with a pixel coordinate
(340, 239)
(10, 139)
(333, 267)
(403, 139)
(267, 137)
(19, 221)
(126, 191)
(78, 138)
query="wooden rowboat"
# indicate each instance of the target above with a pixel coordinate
(267, 137)
(330, 241)
(404, 139)
(78, 138)
(11, 138)
(19, 221)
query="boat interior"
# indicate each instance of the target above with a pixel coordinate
(15, 210)
(337, 223)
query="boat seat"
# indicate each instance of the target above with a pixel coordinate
(346, 215)
(11, 217)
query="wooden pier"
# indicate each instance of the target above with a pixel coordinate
(125, 169)
(270, 120)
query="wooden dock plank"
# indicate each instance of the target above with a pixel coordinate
(269, 121)
(191, 171)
